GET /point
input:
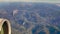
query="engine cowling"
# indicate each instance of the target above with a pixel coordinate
(5, 27)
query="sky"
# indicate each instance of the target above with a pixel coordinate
(49, 1)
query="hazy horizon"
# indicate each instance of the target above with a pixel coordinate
(45, 1)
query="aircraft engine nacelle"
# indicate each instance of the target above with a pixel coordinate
(5, 27)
